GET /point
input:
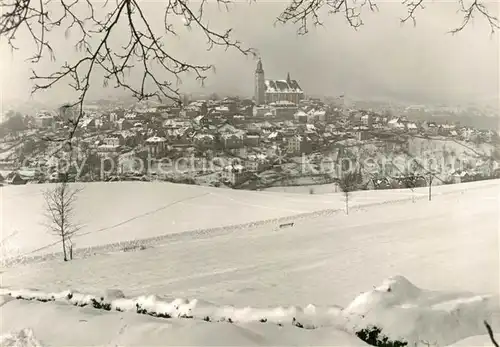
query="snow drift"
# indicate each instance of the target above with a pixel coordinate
(21, 338)
(402, 311)
(421, 317)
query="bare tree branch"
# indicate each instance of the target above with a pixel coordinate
(303, 12)
(490, 333)
(477, 6)
(145, 48)
(412, 6)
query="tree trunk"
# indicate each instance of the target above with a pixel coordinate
(64, 247)
(347, 203)
(430, 188)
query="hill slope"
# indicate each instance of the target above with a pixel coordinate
(449, 245)
(116, 212)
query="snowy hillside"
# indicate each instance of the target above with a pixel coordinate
(123, 211)
(253, 281)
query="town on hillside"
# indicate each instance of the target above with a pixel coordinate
(279, 137)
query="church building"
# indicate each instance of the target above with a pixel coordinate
(268, 91)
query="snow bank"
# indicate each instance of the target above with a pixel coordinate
(397, 310)
(406, 313)
(66, 325)
(310, 317)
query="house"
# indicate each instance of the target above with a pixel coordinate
(201, 120)
(44, 121)
(396, 124)
(284, 109)
(228, 129)
(131, 116)
(15, 178)
(190, 111)
(361, 133)
(367, 120)
(156, 145)
(124, 124)
(238, 119)
(460, 176)
(109, 146)
(234, 174)
(445, 129)
(112, 141)
(204, 140)
(319, 115)
(224, 111)
(88, 123)
(298, 144)
(232, 140)
(262, 111)
(129, 138)
(301, 117)
(257, 163)
(275, 136)
(430, 128)
(266, 126)
(252, 140)
(412, 128)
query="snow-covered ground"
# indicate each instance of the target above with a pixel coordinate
(398, 309)
(122, 211)
(448, 245)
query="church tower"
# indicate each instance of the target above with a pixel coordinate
(260, 85)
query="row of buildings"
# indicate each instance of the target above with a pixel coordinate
(279, 122)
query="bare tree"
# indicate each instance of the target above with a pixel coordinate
(348, 182)
(145, 47)
(59, 210)
(430, 179)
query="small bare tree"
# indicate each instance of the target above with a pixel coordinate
(348, 182)
(430, 179)
(60, 202)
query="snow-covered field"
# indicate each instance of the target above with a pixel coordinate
(123, 211)
(448, 245)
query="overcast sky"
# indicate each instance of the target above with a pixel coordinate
(381, 59)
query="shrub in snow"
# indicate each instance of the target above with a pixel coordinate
(134, 246)
(407, 313)
(296, 323)
(101, 305)
(81, 300)
(373, 336)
